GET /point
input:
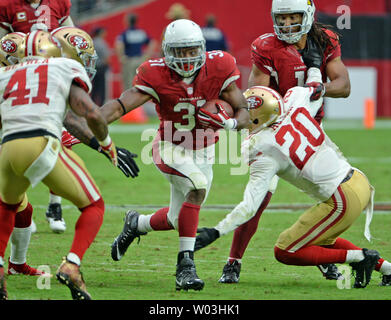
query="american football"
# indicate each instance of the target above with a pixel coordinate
(212, 108)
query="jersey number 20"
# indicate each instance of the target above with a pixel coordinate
(301, 150)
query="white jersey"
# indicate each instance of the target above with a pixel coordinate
(34, 94)
(297, 150)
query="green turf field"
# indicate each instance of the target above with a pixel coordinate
(147, 270)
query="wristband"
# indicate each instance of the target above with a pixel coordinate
(106, 142)
(94, 143)
(122, 105)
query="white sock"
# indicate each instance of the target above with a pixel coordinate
(144, 223)
(238, 260)
(354, 256)
(186, 243)
(73, 257)
(20, 240)
(385, 268)
(54, 199)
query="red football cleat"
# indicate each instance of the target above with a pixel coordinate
(23, 269)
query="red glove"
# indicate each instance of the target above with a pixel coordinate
(68, 140)
(318, 90)
(220, 120)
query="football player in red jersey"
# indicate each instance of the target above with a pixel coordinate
(183, 150)
(28, 15)
(25, 16)
(280, 61)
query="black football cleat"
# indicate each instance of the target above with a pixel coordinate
(186, 276)
(385, 280)
(126, 237)
(362, 270)
(330, 272)
(231, 272)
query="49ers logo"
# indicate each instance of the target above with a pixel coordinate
(254, 102)
(79, 42)
(8, 46)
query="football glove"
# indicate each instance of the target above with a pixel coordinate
(108, 147)
(125, 161)
(220, 120)
(312, 54)
(205, 237)
(318, 90)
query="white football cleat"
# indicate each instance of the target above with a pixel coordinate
(54, 217)
(33, 226)
(57, 226)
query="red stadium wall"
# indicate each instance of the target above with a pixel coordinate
(242, 21)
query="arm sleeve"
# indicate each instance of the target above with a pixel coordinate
(261, 57)
(261, 173)
(333, 51)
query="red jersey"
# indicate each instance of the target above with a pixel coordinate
(20, 16)
(177, 102)
(283, 62)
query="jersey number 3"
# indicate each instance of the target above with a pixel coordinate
(21, 93)
(300, 150)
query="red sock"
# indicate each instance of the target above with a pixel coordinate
(7, 223)
(310, 256)
(341, 243)
(188, 220)
(23, 218)
(159, 220)
(87, 227)
(244, 233)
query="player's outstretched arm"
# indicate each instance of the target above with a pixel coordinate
(82, 104)
(129, 100)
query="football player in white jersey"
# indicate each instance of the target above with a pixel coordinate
(24, 224)
(285, 140)
(33, 104)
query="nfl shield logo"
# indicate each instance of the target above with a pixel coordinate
(190, 90)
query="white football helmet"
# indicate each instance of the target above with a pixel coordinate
(181, 34)
(306, 7)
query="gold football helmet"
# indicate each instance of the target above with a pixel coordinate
(39, 43)
(265, 105)
(78, 45)
(9, 45)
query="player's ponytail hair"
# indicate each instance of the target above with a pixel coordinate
(318, 33)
